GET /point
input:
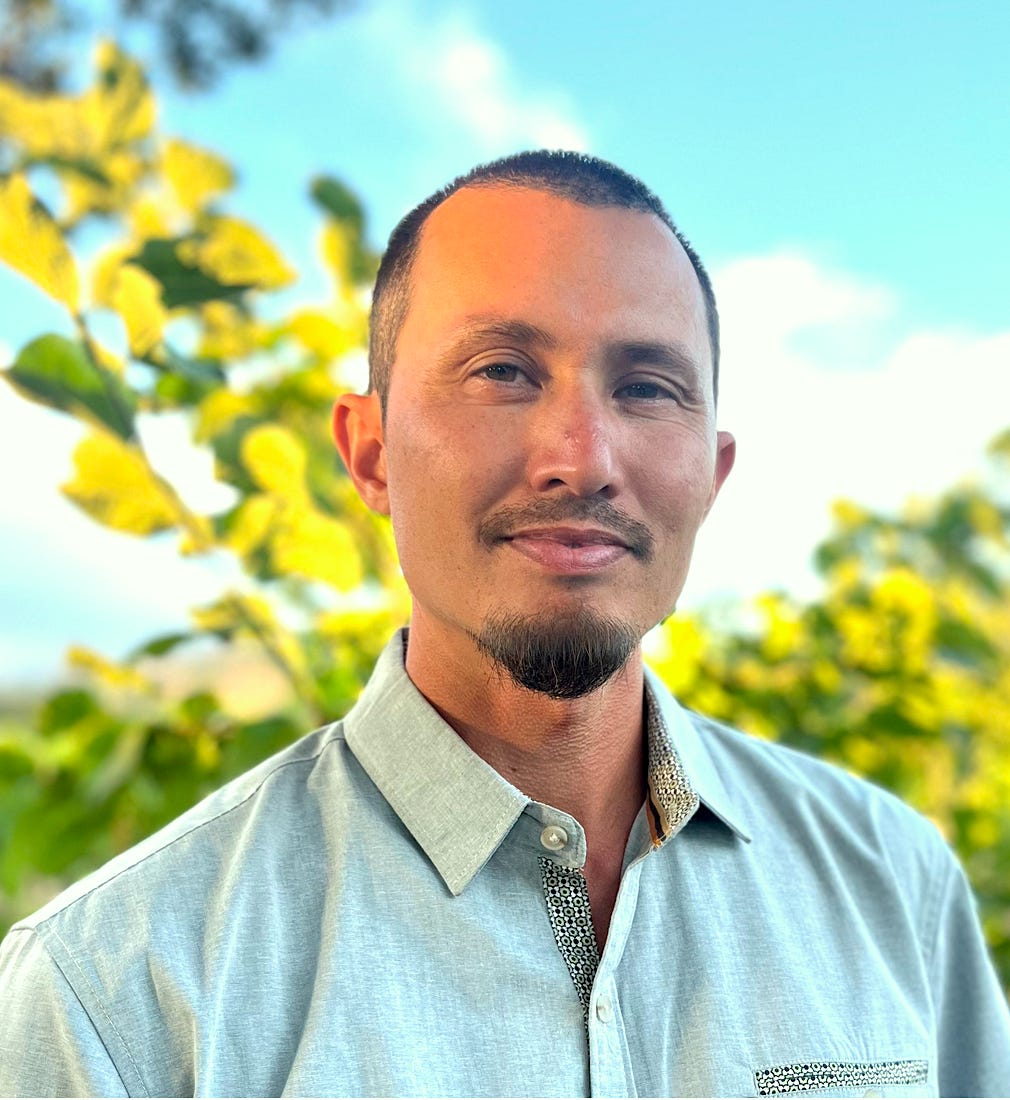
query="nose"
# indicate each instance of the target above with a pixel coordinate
(573, 445)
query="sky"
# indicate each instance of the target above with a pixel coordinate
(841, 167)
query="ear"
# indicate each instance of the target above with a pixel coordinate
(357, 430)
(725, 456)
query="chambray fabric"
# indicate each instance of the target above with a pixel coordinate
(376, 912)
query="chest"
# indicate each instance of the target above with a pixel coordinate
(380, 984)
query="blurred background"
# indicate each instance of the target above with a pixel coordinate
(193, 199)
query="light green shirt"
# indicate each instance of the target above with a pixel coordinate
(376, 912)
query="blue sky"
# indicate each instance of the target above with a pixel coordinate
(841, 167)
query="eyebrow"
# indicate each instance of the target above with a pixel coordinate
(674, 357)
(475, 330)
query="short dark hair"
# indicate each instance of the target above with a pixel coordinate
(574, 176)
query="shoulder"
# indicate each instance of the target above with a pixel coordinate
(246, 818)
(794, 799)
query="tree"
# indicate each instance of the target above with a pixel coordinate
(174, 318)
(900, 671)
(195, 39)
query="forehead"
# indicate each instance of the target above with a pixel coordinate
(529, 254)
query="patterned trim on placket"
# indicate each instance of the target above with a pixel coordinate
(567, 894)
(807, 1076)
(671, 800)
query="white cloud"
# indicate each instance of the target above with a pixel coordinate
(901, 413)
(457, 80)
(767, 300)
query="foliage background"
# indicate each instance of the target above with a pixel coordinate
(899, 669)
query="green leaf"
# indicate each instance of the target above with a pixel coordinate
(183, 380)
(227, 448)
(199, 708)
(962, 642)
(339, 202)
(184, 284)
(889, 718)
(65, 709)
(201, 371)
(158, 647)
(119, 764)
(56, 371)
(87, 167)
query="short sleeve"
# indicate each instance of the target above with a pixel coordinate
(973, 1021)
(48, 1043)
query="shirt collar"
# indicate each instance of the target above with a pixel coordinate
(456, 806)
(459, 809)
(682, 773)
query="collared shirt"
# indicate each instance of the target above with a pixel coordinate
(376, 912)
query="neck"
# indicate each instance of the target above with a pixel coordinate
(584, 756)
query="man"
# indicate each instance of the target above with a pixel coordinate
(518, 867)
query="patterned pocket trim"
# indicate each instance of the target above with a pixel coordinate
(807, 1076)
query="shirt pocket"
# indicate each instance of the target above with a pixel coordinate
(894, 1078)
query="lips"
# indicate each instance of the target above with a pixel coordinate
(571, 536)
(569, 550)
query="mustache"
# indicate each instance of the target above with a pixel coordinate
(514, 517)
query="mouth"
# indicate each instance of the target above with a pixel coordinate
(569, 550)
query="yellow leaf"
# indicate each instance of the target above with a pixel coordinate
(229, 333)
(237, 254)
(114, 485)
(218, 411)
(43, 126)
(986, 518)
(31, 242)
(197, 537)
(252, 524)
(108, 359)
(208, 751)
(848, 515)
(105, 272)
(137, 299)
(122, 170)
(319, 548)
(336, 249)
(115, 675)
(276, 460)
(116, 110)
(119, 107)
(222, 615)
(252, 615)
(194, 174)
(320, 334)
(146, 218)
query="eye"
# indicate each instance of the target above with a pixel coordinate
(646, 391)
(502, 373)
(499, 372)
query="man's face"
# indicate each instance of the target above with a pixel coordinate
(550, 445)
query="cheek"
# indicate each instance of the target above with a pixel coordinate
(680, 492)
(442, 477)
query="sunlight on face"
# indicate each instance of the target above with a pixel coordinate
(550, 441)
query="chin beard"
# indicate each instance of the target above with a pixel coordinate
(563, 656)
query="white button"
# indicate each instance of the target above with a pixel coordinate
(872, 1092)
(604, 1009)
(554, 838)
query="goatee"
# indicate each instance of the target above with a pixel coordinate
(563, 656)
